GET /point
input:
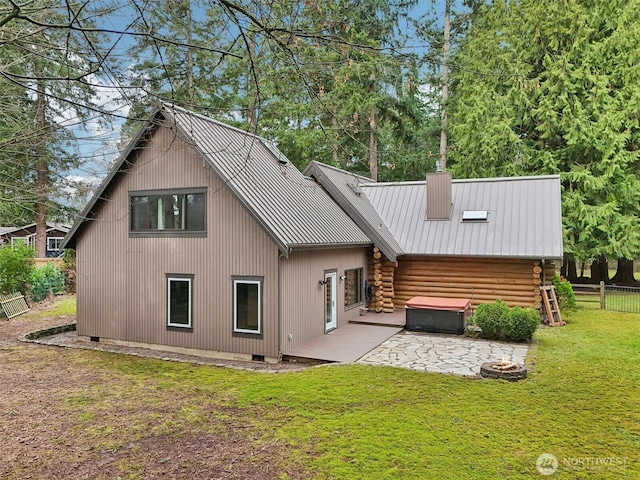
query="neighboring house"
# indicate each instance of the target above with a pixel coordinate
(481, 239)
(27, 235)
(206, 239)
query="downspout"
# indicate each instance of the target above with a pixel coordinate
(544, 273)
(280, 257)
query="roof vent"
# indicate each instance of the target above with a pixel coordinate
(356, 188)
(475, 215)
(282, 160)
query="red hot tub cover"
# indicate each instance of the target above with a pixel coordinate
(439, 303)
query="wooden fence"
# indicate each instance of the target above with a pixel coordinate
(40, 262)
(609, 297)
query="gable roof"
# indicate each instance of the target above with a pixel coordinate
(292, 209)
(346, 189)
(50, 226)
(524, 218)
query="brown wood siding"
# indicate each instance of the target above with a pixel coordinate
(121, 281)
(482, 279)
(302, 296)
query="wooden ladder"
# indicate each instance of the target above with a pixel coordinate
(551, 308)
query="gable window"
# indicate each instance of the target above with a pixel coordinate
(179, 301)
(247, 305)
(54, 243)
(353, 287)
(178, 212)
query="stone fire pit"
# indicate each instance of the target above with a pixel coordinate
(504, 369)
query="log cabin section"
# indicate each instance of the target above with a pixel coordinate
(485, 239)
(482, 280)
(381, 279)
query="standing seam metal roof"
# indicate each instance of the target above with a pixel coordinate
(343, 187)
(293, 210)
(525, 219)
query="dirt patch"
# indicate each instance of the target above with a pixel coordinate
(73, 413)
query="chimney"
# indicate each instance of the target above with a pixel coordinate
(439, 196)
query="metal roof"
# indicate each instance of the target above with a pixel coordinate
(292, 209)
(345, 188)
(524, 217)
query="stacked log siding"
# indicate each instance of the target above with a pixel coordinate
(481, 279)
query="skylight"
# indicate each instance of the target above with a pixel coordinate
(475, 215)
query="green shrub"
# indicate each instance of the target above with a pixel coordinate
(471, 330)
(492, 319)
(564, 293)
(523, 322)
(498, 322)
(16, 267)
(45, 281)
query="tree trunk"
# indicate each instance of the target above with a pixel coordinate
(624, 273)
(373, 145)
(600, 270)
(568, 269)
(252, 88)
(41, 175)
(334, 144)
(445, 87)
(189, 56)
(373, 133)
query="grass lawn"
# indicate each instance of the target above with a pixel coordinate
(581, 403)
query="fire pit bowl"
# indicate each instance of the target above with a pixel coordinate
(504, 369)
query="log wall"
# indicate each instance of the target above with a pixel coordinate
(483, 280)
(381, 278)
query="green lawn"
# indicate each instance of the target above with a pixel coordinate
(581, 403)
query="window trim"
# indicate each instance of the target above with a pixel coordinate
(361, 289)
(251, 280)
(49, 244)
(28, 241)
(179, 277)
(168, 233)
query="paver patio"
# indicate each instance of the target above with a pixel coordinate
(442, 353)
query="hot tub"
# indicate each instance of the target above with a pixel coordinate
(437, 314)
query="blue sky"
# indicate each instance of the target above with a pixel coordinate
(99, 144)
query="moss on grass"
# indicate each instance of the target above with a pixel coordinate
(581, 402)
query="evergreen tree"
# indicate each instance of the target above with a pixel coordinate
(551, 87)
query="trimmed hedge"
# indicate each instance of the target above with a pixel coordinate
(499, 322)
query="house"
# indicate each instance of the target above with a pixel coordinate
(481, 239)
(27, 234)
(205, 239)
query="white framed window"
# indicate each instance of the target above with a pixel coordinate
(179, 301)
(54, 243)
(21, 241)
(247, 305)
(353, 287)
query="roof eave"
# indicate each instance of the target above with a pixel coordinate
(389, 252)
(70, 238)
